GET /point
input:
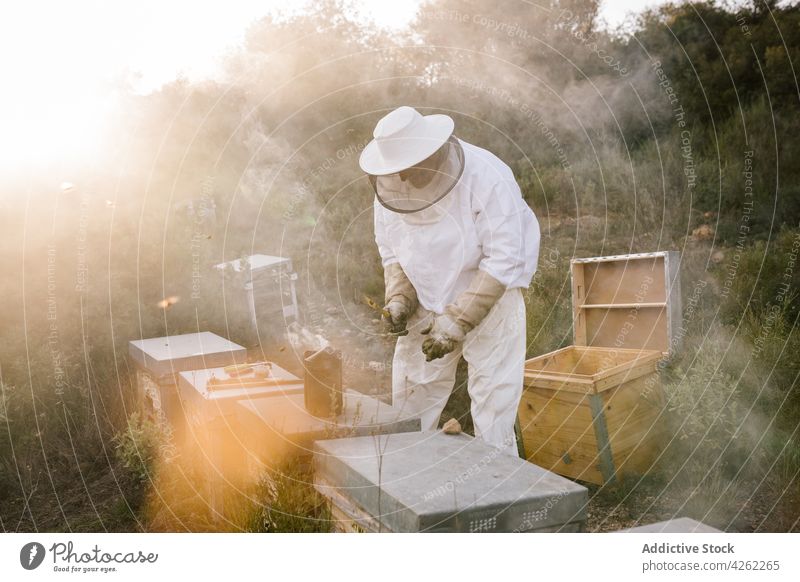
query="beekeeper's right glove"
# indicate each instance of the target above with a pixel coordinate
(401, 299)
(395, 315)
(462, 316)
(444, 335)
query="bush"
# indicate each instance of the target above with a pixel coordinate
(288, 502)
(708, 413)
(761, 277)
(141, 445)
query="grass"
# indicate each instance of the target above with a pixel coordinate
(79, 461)
(733, 458)
(288, 502)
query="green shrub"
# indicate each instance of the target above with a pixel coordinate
(761, 277)
(288, 502)
(707, 413)
(141, 445)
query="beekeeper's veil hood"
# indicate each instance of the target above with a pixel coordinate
(414, 160)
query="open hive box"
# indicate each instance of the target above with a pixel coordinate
(593, 410)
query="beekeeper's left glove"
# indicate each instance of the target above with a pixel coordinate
(443, 336)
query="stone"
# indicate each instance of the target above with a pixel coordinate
(703, 232)
(432, 482)
(452, 426)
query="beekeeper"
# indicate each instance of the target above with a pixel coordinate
(458, 245)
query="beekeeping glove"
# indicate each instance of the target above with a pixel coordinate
(401, 299)
(471, 307)
(461, 316)
(443, 336)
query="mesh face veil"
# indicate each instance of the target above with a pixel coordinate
(420, 187)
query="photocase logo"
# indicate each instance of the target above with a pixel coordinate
(31, 555)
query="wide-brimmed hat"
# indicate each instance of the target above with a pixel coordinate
(404, 138)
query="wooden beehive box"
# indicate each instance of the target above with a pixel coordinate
(433, 482)
(593, 410)
(159, 360)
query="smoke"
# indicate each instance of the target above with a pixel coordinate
(591, 126)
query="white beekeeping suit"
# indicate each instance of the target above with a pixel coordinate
(457, 253)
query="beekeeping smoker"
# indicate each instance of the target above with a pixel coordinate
(458, 245)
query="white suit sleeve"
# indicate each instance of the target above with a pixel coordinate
(501, 218)
(385, 251)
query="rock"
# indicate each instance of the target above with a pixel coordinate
(452, 426)
(703, 232)
(717, 257)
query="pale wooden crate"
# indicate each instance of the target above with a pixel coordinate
(627, 301)
(592, 427)
(593, 411)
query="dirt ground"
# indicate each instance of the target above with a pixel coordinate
(746, 508)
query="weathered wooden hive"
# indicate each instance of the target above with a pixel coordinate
(159, 361)
(261, 297)
(593, 411)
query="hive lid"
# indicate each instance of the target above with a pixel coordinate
(192, 351)
(430, 481)
(255, 264)
(627, 301)
(286, 415)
